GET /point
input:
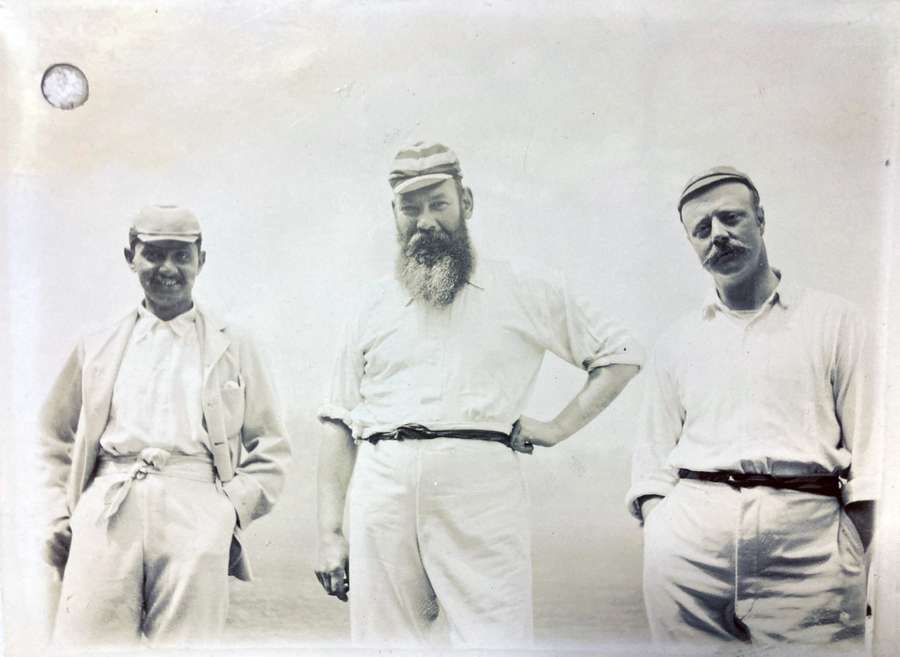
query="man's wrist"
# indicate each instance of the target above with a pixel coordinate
(556, 431)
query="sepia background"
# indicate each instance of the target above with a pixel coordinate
(276, 123)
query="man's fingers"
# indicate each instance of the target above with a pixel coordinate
(335, 582)
(325, 580)
(339, 577)
(340, 583)
(518, 442)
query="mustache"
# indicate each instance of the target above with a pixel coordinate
(426, 244)
(722, 249)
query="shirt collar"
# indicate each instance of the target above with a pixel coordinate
(148, 322)
(784, 294)
(475, 278)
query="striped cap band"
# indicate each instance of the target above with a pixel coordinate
(421, 165)
(714, 176)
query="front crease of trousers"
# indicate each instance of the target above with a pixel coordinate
(440, 545)
(755, 565)
(158, 567)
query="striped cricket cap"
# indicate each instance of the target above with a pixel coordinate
(710, 177)
(421, 165)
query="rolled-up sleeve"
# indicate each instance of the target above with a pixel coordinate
(346, 377)
(855, 380)
(578, 330)
(659, 426)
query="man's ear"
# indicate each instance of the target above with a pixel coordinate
(468, 203)
(129, 257)
(201, 260)
(761, 219)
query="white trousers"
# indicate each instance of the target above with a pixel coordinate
(440, 545)
(755, 565)
(158, 566)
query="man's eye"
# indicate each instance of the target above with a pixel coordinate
(408, 209)
(440, 205)
(183, 256)
(701, 230)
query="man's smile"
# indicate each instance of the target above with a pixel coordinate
(169, 283)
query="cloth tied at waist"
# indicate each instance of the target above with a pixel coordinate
(151, 460)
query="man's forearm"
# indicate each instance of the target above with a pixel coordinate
(603, 385)
(337, 454)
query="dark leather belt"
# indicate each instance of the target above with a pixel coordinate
(828, 485)
(419, 432)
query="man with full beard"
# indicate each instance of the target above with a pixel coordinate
(757, 435)
(433, 372)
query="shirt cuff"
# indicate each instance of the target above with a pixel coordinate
(861, 489)
(622, 358)
(333, 412)
(338, 413)
(660, 484)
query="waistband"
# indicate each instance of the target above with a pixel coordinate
(156, 461)
(420, 432)
(829, 485)
(151, 461)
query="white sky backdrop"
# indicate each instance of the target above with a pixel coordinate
(576, 129)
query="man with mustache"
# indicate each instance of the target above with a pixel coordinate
(425, 410)
(757, 463)
(163, 441)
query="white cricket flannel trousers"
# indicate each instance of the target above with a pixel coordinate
(440, 545)
(158, 566)
(755, 564)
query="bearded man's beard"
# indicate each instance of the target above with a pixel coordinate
(433, 266)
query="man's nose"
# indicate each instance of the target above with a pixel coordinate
(427, 221)
(717, 231)
(168, 267)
